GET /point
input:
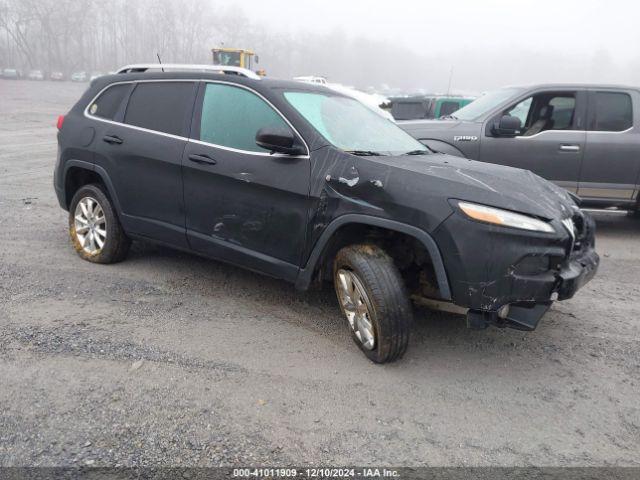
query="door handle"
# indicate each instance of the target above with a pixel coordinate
(112, 139)
(202, 159)
(569, 148)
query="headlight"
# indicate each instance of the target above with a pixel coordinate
(504, 218)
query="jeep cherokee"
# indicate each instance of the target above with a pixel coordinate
(301, 183)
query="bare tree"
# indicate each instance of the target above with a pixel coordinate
(96, 35)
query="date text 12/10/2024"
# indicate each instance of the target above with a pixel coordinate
(315, 473)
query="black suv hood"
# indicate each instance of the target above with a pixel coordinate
(489, 184)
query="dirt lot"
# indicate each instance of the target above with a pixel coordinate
(170, 359)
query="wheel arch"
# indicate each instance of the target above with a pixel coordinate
(78, 173)
(306, 273)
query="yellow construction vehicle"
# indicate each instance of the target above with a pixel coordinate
(234, 57)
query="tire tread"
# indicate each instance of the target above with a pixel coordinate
(388, 294)
(118, 243)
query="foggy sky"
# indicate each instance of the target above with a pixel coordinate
(392, 47)
(488, 42)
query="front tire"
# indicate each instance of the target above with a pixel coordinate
(96, 233)
(374, 300)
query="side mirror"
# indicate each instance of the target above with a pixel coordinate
(278, 140)
(507, 126)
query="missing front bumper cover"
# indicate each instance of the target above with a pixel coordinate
(520, 317)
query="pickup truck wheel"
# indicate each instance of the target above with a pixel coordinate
(96, 233)
(374, 300)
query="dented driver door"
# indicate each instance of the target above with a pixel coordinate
(243, 205)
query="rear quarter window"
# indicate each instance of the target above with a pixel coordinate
(161, 106)
(109, 102)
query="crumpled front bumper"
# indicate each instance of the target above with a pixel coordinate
(578, 272)
(526, 315)
(485, 268)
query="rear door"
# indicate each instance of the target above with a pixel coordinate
(243, 204)
(552, 140)
(142, 152)
(611, 163)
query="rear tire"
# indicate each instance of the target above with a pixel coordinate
(374, 300)
(96, 233)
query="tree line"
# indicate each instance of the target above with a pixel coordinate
(97, 35)
(101, 35)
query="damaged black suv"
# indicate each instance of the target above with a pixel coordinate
(302, 183)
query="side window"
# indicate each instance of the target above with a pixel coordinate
(231, 117)
(563, 112)
(408, 110)
(161, 106)
(107, 104)
(545, 111)
(521, 110)
(612, 112)
(447, 108)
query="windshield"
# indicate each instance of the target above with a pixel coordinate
(352, 127)
(485, 103)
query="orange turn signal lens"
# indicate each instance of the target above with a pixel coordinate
(483, 216)
(504, 218)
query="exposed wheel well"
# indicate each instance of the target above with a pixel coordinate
(409, 254)
(76, 178)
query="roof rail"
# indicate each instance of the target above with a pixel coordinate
(143, 67)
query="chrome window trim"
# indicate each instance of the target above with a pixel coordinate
(134, 127)
(245, 152)
(547, 132)
(612, 131)
(582, 131)
(193, 140)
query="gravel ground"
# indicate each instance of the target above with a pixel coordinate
(168, 359)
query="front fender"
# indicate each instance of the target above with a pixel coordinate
(305, 274)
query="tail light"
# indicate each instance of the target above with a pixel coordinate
(60, 121)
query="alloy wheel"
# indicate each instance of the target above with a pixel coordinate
(356, 306)
(90, 225)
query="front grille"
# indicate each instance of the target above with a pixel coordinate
(580, 229)
(571, 228)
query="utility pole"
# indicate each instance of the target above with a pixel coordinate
(450, 80)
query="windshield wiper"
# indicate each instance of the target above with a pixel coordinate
(364, 153)
(417, 152)
(449, 117)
